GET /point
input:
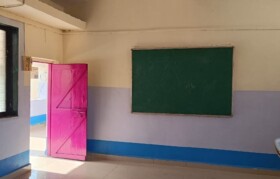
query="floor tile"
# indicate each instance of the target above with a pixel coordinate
(53, 168)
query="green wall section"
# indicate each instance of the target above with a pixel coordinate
(182, 81)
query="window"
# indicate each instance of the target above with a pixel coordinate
(8, 71)
(2, 71)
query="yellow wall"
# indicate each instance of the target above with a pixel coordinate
(256, 53)
(149, 14)
(114, 28)
(40, 40)
(44, 43)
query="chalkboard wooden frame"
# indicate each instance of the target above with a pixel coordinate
(216, 57)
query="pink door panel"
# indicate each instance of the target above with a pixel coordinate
(67, 111)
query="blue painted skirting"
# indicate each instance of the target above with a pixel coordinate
(41, 119)
(186, 154)
(14, 163)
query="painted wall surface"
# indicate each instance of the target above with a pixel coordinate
(14, 131)
(253, 127)
(256, 57)
(114, 28)
(35, 40)
(39, 81)
(105, 15)
(38, 107)
(43, 42)
(39, 90)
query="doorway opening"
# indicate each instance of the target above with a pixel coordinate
(58, 110)
(46, 72)
(39, 83)
(38, 108)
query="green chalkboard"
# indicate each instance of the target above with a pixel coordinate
(183, 81)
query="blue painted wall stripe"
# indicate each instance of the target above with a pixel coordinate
(14, 163)
(186, 154)
(41, 119)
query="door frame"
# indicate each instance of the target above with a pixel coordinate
(46, 61)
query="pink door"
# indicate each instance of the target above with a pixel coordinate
(67, 111)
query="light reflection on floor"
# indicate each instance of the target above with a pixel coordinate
(53, 168)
